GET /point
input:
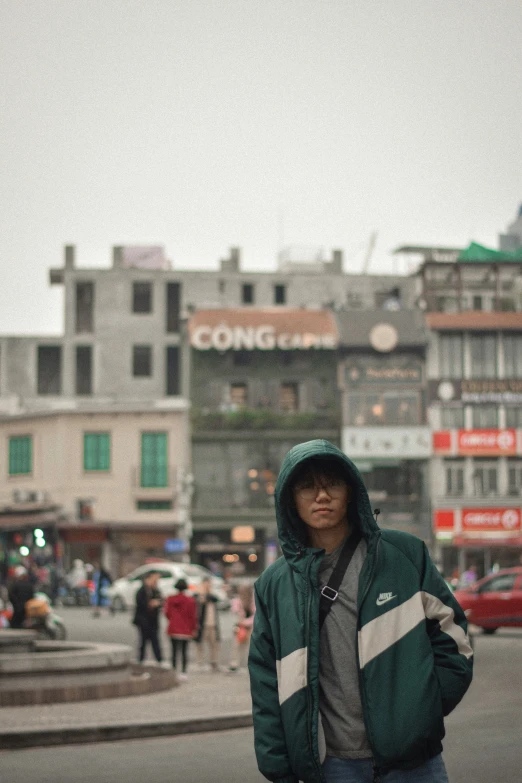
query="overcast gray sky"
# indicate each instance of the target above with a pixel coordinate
(200, 124)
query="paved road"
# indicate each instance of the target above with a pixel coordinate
(482, 744)
(118, 629)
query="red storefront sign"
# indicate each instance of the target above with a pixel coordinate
(442, 442)
(444, 520)
(499, 520)
(487, 443)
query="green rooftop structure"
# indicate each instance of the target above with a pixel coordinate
(476, 252)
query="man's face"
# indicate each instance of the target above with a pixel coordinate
(152, 580)
(322, 500)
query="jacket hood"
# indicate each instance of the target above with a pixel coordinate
(291, 530)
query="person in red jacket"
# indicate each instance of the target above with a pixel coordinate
(182, 614)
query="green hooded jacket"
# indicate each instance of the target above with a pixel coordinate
(414, 657)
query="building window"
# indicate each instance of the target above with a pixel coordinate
(141, 297)
(513, 417)
(447, 304)
(238, 394)
(392, 482)
(83, 369)
(247, 293)
(96, 451)
(485, 481)
(391, 408)
(173, 371)
(49, 370)
(483, 349)
(222, 286)
(84, 307)
(142, 361)
(484, 416)
(451, 355)
(514, 477)
(513, 355)
(154, 505)
(452, 418)
(280, 294)
(241, 358)
(477, 303)
(154, 459)
(20, 455)
(454, 470)
(173, 308)
(289, 397)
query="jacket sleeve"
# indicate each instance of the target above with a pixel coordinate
(448, 631)
(269, 736)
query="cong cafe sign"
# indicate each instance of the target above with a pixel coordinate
(299, 330)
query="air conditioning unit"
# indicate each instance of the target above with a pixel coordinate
(37, 497)
(21, 496)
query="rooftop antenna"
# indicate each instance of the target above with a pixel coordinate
(369, 252)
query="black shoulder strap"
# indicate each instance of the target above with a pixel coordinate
(330, 592)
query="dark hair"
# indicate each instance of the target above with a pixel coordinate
(181, 585)
(317, 468)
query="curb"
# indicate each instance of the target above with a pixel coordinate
(13, 740)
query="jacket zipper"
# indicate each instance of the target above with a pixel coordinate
(376, 773)
(308, 686)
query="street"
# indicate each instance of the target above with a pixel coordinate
(482, 743)
(118, 629)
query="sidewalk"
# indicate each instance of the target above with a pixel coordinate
(207, 702)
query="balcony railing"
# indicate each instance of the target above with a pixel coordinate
(160, 480)
(254, 419)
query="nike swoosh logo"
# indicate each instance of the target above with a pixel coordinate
(381, 601)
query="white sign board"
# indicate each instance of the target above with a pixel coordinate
(383, 442)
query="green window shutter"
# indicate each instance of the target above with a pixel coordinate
(96, 451)
(154, 461)
(20, 455)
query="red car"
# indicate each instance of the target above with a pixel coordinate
(495, 601)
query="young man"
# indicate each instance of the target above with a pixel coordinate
(146, 616)
(363, 698)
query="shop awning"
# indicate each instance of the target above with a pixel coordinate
(474, 543)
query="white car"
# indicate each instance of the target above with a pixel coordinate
(122, 592)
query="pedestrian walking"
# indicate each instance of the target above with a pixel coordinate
(146, 616)
(243, 605)
(359, 649)
(182, 614)
(20, 591)
(208, 636)
(102, 581)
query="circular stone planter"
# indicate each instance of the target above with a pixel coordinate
(43, 672)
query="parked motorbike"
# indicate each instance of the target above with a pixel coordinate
(41, 617)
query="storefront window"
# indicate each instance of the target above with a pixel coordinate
(452, 418)
(484, 416)
(485, 482)
(390, 408)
